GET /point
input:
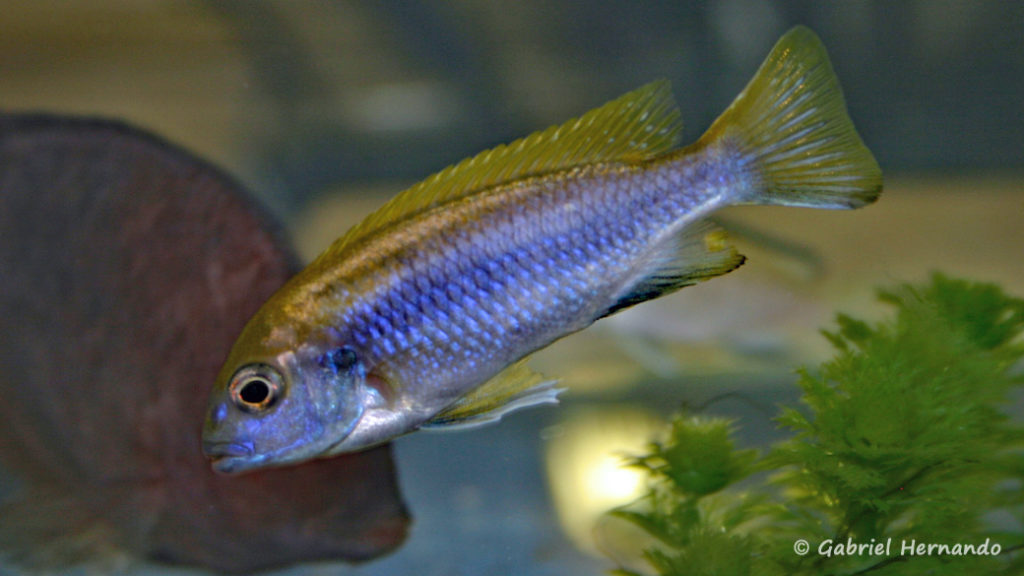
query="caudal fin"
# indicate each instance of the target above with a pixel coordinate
(791, 124)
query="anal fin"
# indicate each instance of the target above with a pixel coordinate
(515, 387)
(701, 251)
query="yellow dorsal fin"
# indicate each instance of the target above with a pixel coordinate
(515, 387)
(636, 126)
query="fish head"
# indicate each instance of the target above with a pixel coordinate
(276, 409)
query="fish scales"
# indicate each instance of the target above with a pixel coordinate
(422, 315)
(514, 280)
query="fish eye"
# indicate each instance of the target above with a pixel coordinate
(256, 387)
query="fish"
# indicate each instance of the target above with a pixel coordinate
(129, 266)
(424, 314)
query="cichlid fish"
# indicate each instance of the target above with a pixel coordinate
(421, 315)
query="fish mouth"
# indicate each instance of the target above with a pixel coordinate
(229, 457)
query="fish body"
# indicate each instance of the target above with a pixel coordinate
(422, 315)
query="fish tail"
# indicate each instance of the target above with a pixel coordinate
(792, 129)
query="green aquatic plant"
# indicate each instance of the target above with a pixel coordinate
(903, 459)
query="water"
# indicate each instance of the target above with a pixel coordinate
(326, 109)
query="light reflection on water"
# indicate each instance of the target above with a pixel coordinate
(586, 456)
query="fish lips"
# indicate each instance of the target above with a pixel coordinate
(229, 457)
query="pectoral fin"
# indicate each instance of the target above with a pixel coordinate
(516, 387)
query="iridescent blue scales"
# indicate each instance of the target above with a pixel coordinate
(423, 314)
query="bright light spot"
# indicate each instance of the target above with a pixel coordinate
(609, 481)
(588, 467)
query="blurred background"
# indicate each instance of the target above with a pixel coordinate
(325, 109)
(299, 97)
